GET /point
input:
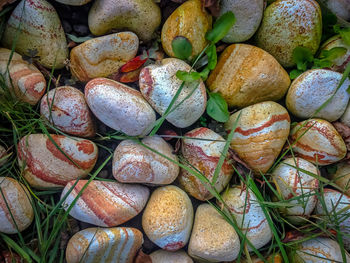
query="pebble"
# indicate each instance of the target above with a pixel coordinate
(45, 166)
(105, 203)
(163, 256)
(342, 176)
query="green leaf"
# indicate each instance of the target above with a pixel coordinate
(221, 27)
(188, 76)
(212, 56)
(217, 107)
(295, 73)
(301, 56)
(182, 47)
(204, 74)
(345, 35)
(78, 39)
(333, 53)
(322, 63)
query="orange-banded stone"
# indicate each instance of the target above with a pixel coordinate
(54, 163)
(213, 238)
(168, 217)
(163, 256)
(189, 20)
(245, 208)
(203, 153)
(317, 141)
(40, 30)
(319, 250)
(15, 205)
(119, 106)
(102, 56)
(261, 131)
(246, 75)
(107, 245)
(292, 183)
(133, 163)
(22, 79)
(105, 203)
(66, 108)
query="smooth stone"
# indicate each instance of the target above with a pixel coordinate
(312, 89)
(317, 141)
(102, 56)
(288, 24)
(342, 177)
(105, 203)
(189, 20)
(159, 84)
(45, 166)
(339, 7)
(24, 81)
(203, 156)
(246, 75)
(168, 217)
(163, 256)
(107, 245)
(15, 199)
(213, 239)
(248, 17)
(340, 62)
(345, 118)
(139, 16)
(245, 208)
(262, 130)
(119, 106)
(41, 30)
(133, 163)
(65, 108)
(292, 182)
(74, 2)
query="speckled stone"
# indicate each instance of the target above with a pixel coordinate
(342, 176)
(163, 256)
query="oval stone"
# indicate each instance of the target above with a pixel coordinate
(262, 130)
(312, 89)
(134, 163)
(15, 204)
(119, 106)
(105, 203)
(248, 17)
(163, 256)
(159, 84)
(245, 208)
(342, 177)
(41, 31)
(108, 245)
(24, 80)
(317, 141)
(292, 182)
(102, 56)
(45, 165)
(189, 20)
(65, 108)
(202, 153)
(288, 24)
(139, 16)
(168, 217)
(246, 75)
(213, 238)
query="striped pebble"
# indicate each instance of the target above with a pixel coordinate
(105, 203)
(213, 238)
(168, 217)
(317, 141)
(133, 163)
(291, 182)
(334, 211)
(107, 245)
(46, 166)
(163, 256)
(119, 106)
(15, 196)
(102, 56)
(261, 131)
(24, 80)
(66, 108)
(243, 205)
(203, 153)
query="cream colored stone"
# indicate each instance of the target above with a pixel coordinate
(163, 256)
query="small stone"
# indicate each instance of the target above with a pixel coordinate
(163, 256)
